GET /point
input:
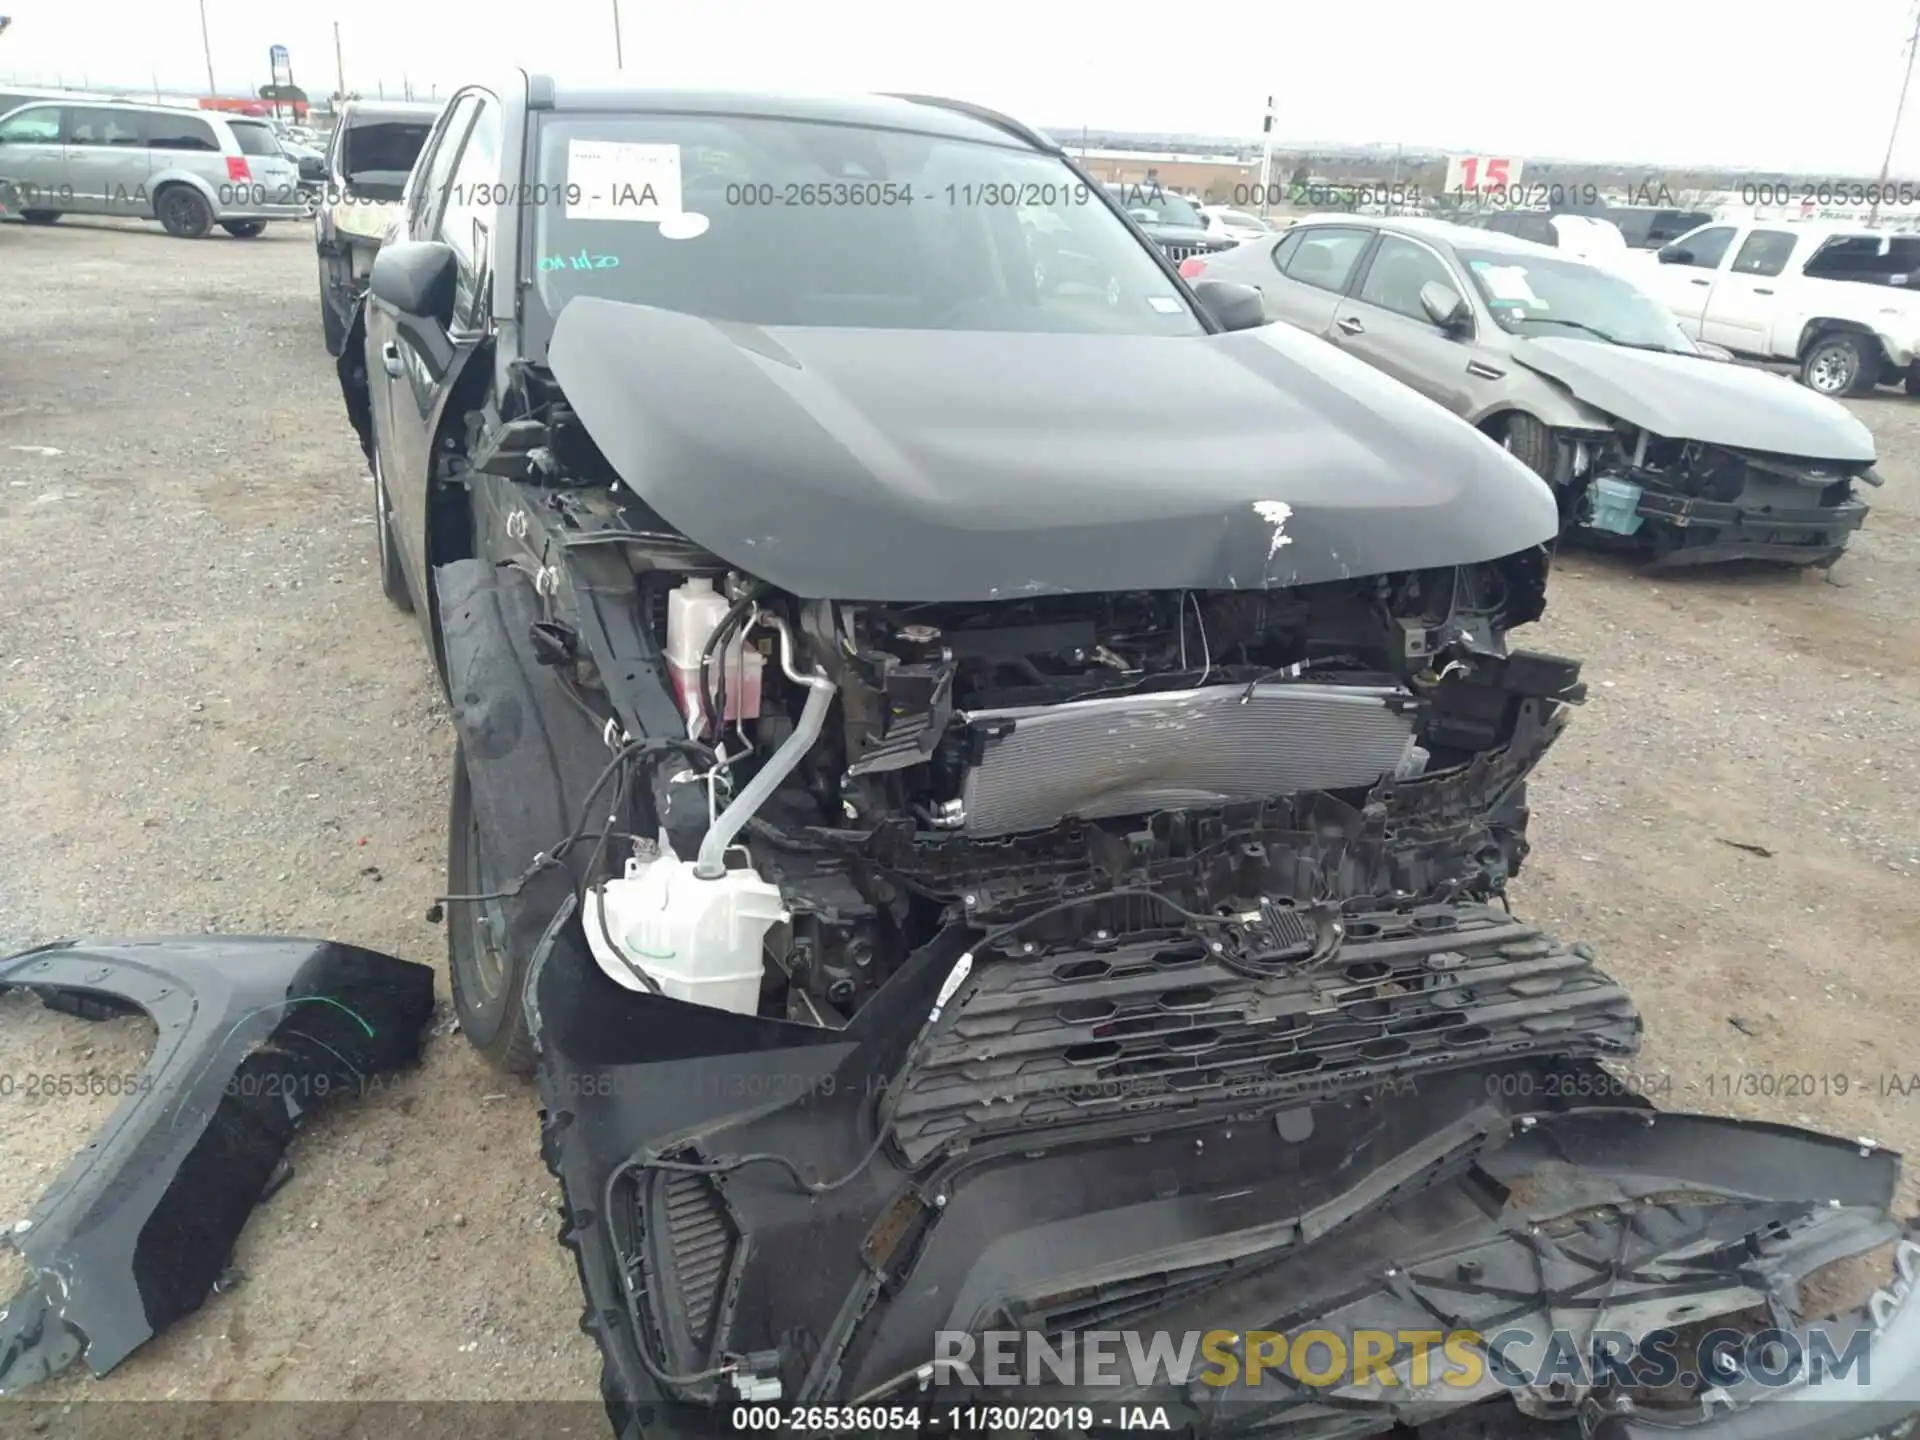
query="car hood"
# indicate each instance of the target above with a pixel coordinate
(1175, 234)
(977, 465)
(1685, 397)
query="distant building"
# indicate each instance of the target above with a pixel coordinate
(1222, 179)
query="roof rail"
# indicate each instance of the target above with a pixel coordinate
(985, 116)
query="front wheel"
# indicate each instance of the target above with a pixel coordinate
(333, 325)
(184, 212)
(1841, 364)
(1532, 444)
(41, 217)
(243, 229)
(488, 975)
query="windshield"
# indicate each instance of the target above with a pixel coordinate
(783, 222)
(1531, 295)
(1151, 205)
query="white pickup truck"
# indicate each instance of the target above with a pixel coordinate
(1840, 301)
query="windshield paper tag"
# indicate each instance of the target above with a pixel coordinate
(619, 180)
(1165, 304)
(1509, 283)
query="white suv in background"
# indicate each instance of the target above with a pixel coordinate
(1840, 301)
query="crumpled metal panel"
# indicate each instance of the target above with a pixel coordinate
(1134, 754)
(253, 1031)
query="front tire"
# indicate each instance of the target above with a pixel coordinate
(488, 975)
(1839, 364)
(184, 212)
(333, 325)
(243, 229)
(393, 577)
(41, 217)
(1532, 444)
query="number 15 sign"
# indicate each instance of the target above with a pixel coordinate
(1474, 173)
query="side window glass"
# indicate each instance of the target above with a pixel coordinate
(176, 132)
(1704, 249)
(33, 127)
(1326, 256)
(1764, 252)
(1400, 267)
(467, 220)
(435, 167)
(97, 125)
(1284, 250)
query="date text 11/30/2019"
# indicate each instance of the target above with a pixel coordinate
(944, 1419)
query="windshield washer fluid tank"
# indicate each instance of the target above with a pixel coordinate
(698, 940)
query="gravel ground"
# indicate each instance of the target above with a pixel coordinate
(210, 720)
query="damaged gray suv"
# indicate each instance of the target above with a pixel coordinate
(952, 872)
(1650, 442)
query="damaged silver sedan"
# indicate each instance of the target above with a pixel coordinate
(1652, 442)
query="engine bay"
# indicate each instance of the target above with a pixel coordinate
(880, 773)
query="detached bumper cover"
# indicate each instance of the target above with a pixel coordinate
(1884, 1404)
(253, 1031)
(1489, 1197)
(1814, 534)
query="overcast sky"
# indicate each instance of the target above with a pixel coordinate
(1777, 86)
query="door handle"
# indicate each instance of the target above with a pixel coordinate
(390, 357)
(1699, 282)
(1351, 324)
(1759, 290)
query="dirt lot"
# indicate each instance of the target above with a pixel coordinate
(210, 720)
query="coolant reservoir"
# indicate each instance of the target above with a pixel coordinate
(699, 940)
(694, 611)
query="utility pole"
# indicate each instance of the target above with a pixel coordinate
(1913, 44)
(206, 47)
(1266, 155)
(339, 65)
(619, 60)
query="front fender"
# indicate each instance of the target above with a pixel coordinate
(1551, 405)
(251, 1032)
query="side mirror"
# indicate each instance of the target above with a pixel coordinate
(1445, 307)
(1233, 306)
(1674, 255)
(415, 277)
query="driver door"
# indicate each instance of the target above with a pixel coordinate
(410, 358)
(1385, 324)
(34, 159)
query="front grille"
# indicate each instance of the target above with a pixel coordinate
(1177, 253)
(1146, 1024)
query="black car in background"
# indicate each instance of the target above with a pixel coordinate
(1645, 227)
(979, 789)
(1169, 220)
(360, 181)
